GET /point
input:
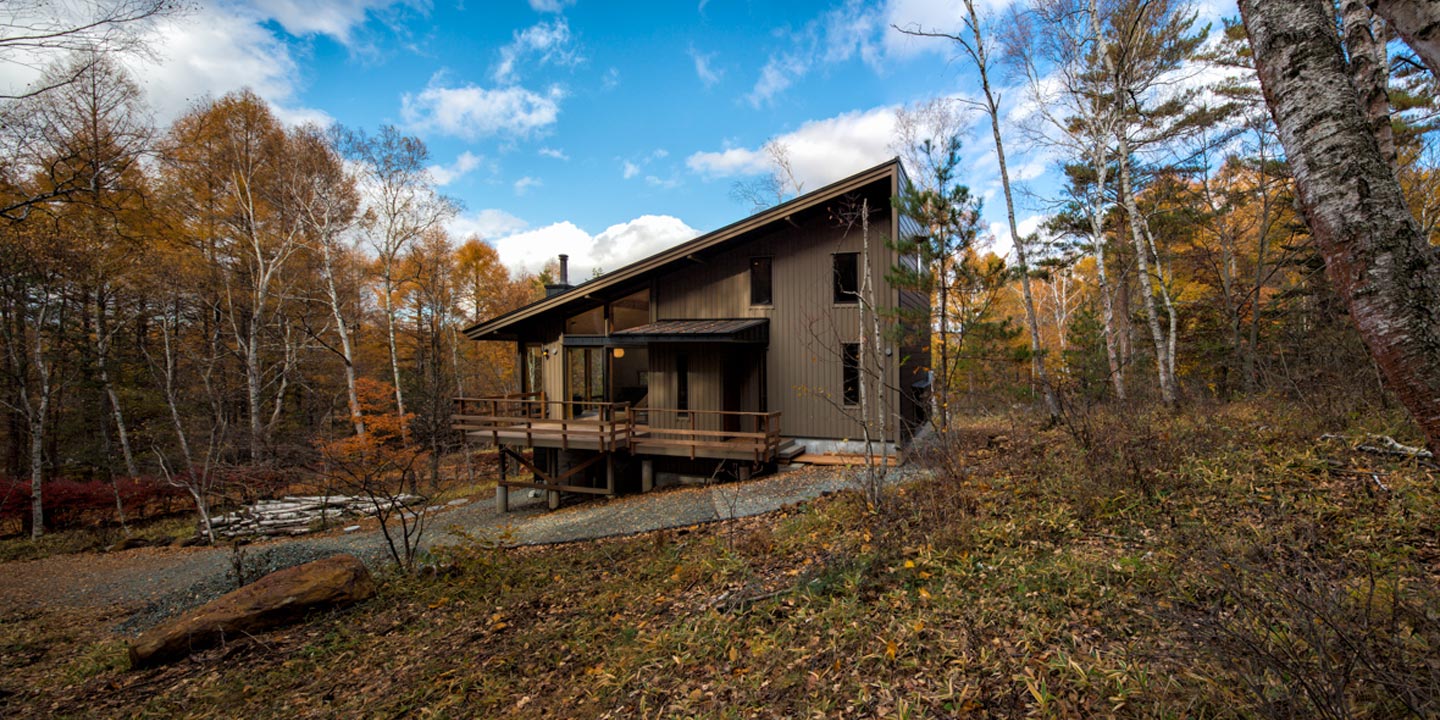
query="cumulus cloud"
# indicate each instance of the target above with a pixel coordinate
(550, 6)
(524, 184)
(821, 151)
(336, 18)
(554, 153)
(487, 224)
(470, 111)
(547, 42)
(612, 248)
(445, 174)
(707, 73)
(630, 170)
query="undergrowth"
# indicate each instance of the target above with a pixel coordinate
(1220, 563)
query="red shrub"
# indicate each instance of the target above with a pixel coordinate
(71, 502)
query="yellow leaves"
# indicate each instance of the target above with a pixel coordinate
(891, 649)
(909, 564)
(442, 602)
(734, 654)
(924, 594)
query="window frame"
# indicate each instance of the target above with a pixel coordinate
(839, 295)
(769, 263)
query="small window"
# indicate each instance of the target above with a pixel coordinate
(760, 293)
(590, 322)
(630, 311)
(850, 356)
(682, 382)
(847, 278)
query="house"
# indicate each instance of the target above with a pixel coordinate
(729, 353)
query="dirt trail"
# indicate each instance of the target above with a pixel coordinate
(154, 583)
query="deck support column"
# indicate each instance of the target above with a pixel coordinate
(502, 492)
(744, 471)
(647, 475)
(610, 474)
(552, 497)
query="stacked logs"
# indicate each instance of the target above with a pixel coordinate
(300, 514)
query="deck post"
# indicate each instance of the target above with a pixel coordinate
(647, 475)
(744, 472)
(502, 498)
(552, 497)
(610, 474)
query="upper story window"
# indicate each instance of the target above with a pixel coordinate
(630, 311)
(761, 292)
(590, 322)
(847, 278)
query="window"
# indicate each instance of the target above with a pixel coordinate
(682, 382)
(533, 379)
(850, 382)
(630, 311)
(847, 278)
(760, 293)
(585, 370)
(590, 322)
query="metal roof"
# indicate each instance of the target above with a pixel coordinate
(736, 330)
(498, 327)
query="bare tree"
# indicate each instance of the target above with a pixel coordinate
(778, 185)
(1418, 23)
(974, 40)
(1379, 261)
(401, 204)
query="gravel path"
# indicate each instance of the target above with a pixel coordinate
(155, 583)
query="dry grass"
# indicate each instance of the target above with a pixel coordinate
(1200, 565)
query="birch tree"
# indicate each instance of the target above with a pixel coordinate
(1375, 254)
(975, 41)
(401, 205)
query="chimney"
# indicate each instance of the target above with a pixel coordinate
(564, 281)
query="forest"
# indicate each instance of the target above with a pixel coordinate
(193, 310)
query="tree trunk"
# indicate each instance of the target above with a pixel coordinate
(1147, 291)
(1032, 321)
(1375, 255)
(1370, 70)
(102, 355)
(1418, 24)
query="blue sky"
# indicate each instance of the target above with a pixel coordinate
(607, 130)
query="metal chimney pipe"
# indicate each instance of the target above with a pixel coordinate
(564, 269)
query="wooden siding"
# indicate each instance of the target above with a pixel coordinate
(806, 325)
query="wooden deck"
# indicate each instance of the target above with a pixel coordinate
(528, 420)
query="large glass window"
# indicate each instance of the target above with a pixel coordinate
(590, 322)
(585, 373)
(630, 311)
(760, 285)
(532, 379)
(850, 356)
(847, 278)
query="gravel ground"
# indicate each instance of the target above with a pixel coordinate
(160, 582)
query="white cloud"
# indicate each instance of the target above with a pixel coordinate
(821, 151)
(667, 183)
(490, 223)
(703, 69)
(614, 247)
(524, 184)
(550, 6)
(554, 153)
(841, 33)
(444, 175)
(336, 18)
(470, 111)
(630, 170)
(547, 41)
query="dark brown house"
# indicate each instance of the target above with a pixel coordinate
(726, 354)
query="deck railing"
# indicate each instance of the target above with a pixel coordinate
(610, 425)
(614, 426)
(690, 429)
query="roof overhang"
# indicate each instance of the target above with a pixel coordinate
(742, 331)
(503, 327)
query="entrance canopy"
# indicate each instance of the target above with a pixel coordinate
(751, 331)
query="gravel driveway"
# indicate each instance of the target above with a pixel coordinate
(155, 583)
